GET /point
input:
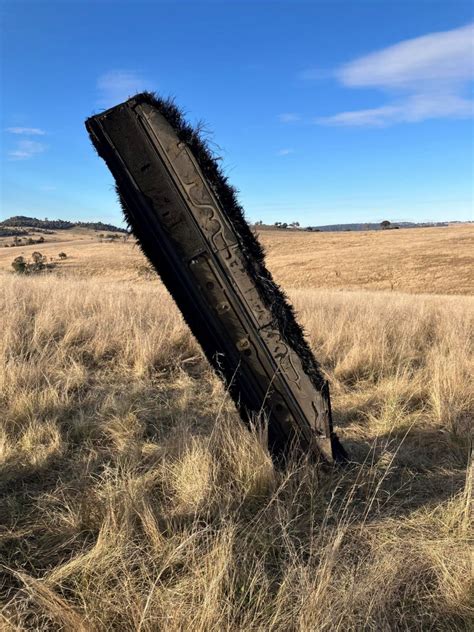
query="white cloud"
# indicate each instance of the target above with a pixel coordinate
(26, 149)
(285, 152)
(116, 86)
(434, 58)
(27, 131)
(427, 77)
(289, 117)
(418, 107)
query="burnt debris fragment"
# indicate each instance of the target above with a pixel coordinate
(191, 227)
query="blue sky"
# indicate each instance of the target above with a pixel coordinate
(324, 112)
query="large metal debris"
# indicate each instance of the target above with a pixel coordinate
(190, 226)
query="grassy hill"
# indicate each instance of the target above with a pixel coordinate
(132, 498)
(354, 226)
(20, 221)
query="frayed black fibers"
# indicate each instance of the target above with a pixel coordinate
(270, 293)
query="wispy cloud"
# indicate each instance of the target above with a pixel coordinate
(426, 77)
(436, 57)
(26, 149)
(285, 152)
(27, 131)
(289, 117)
(418, 107)
(117, 85)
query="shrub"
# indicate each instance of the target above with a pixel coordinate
(19, 265)
(62, 255)
(37, 264)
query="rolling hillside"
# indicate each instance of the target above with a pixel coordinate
(425, 260)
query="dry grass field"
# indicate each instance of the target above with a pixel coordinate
(132, 498)
(422, 260)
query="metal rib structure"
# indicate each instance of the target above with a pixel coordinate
(190, 226)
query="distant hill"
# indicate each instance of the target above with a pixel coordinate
(359, 226)
(374, 226)
(20, 221)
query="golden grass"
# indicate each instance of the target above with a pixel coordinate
(418, 260)
(421, 260)
(133, 499)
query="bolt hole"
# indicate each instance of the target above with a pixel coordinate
(210, 285)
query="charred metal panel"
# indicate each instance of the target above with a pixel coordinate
(192, 230)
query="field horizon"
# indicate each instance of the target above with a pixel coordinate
(133, 498)
(433, 260)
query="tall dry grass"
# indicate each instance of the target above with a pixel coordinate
(133, 499)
